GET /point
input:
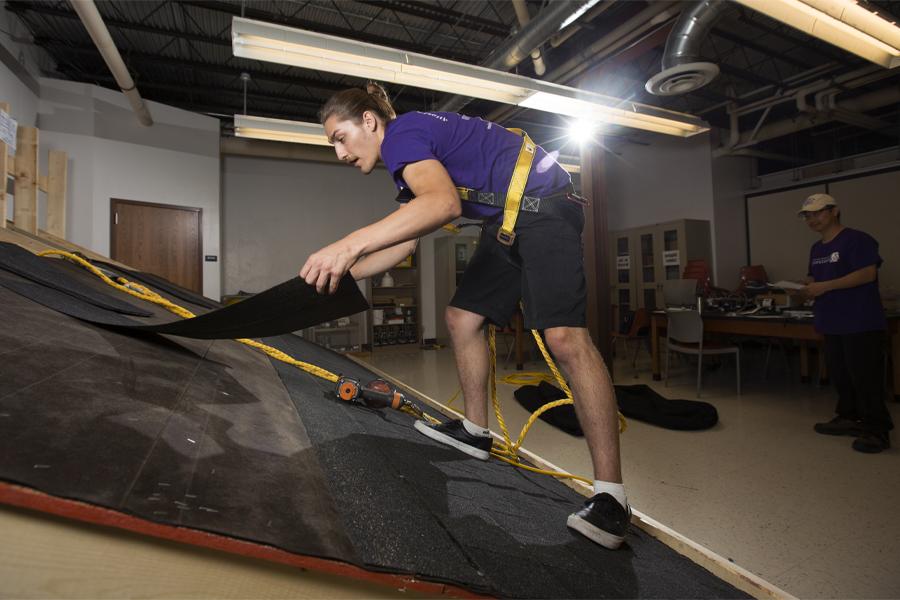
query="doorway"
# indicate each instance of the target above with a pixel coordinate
(161, 239)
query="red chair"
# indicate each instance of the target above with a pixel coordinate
(698, 269)
(751, 274)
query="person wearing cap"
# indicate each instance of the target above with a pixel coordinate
(843, 280)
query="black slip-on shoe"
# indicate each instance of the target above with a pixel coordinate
(602, 520)
(839, 426)
(453, 433)
(872, 443)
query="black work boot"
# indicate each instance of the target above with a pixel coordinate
(872, 443)
(839, 426)
(602, 520)
(453, 433)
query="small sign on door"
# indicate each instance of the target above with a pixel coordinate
(671, 258)
(623, 262)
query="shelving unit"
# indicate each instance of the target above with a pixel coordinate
(395, 318)
(452, 254)
(337, 336)
(642, 258)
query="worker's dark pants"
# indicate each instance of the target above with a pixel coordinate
(856, 365)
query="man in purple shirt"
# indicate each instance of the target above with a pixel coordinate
(843, 279)
(430, 155)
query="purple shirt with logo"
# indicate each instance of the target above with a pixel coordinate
(849, 310)
(477, 154)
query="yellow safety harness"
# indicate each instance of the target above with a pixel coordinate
(514, 192)
(506, 451)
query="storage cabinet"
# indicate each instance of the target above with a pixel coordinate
(642, 258)
(395, 314)
(452, 254)
(341, 335)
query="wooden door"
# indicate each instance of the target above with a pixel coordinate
(160, 239)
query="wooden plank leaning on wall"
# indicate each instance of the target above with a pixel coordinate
(25, 188)
(4, 171)
(28, 182)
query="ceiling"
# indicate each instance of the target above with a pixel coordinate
(179, 53)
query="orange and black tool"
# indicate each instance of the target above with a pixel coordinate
(378, 393)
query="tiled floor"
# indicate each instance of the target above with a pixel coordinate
(802, 510)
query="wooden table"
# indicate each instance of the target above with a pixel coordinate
(771, 327)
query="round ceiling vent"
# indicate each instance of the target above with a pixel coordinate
(682, 79)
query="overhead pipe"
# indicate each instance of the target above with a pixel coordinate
(519, 47)
(860, 104)
(656, 14)
(93, 22)
(524, 17)
(559, 38)
(683, 68)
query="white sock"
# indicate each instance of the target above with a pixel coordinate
(474, 429)
(616, 490)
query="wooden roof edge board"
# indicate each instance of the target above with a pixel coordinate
(716, 564)
(31, 499)
(44, 240)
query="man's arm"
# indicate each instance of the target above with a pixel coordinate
(436, 202)
(854, 279)
(381, 261)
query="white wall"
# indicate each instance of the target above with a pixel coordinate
(669, 179)
(176, 161)
(19, 66)
(732, 176)
(277, 212)
(666, 180)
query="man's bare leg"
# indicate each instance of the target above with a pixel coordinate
(472, 361)
(595, 400)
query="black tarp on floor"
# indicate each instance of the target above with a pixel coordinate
(213, 436)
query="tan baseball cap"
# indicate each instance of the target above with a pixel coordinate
(817, 202)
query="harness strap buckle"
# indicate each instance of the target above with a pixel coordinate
(506, 237)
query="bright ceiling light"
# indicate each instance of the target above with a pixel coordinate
(581, 132)
(279, 130)
(286, 45)
(843, 23)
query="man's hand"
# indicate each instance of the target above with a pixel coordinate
(815, 289)
(325, 268)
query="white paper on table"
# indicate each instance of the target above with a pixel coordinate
(787, 285)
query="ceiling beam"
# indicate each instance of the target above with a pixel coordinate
(261, 15)
(782, 56)
(435, 12)
(19, 7)
(60, 51)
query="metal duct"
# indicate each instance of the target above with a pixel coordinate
(524, 17)
(683, 69)
(519, 47)
(95, 26)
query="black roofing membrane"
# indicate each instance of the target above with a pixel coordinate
(214, 436)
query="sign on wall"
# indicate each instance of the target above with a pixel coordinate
(671, 258)
(8, 127)
(623, 263)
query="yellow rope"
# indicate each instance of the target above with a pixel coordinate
(506, 450)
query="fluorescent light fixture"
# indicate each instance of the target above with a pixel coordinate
(284, 45)
(279, 130)
(843, 23)
(577, 14)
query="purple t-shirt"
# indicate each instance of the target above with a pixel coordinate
(477, 154)
(849, 310)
